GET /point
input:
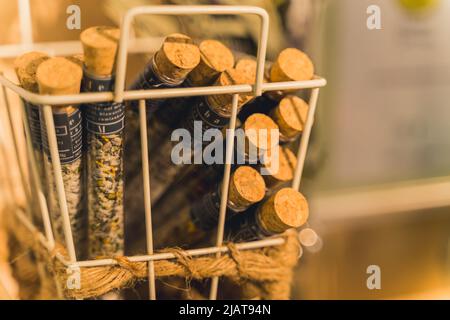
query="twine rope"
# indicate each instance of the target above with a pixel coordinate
(269, 268)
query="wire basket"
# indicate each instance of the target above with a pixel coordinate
(120, 95)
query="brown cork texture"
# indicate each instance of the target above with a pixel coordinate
(292, 65)
(287, 208)
(257, 129)
(222, 103)
(247, 66)
(215, 58)
(59, 76)
(26, 66)
(246, 187)
(290, 116)
(177, 57)
(285, 169)
(100, 47)
(77, 58)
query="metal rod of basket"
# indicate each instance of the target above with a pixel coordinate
(42, 202)
(224, 189)
(147, 202)
(303, 147)
(25, 185)
(120, 95)
(57, 172)
(82, 98)
(190, 10)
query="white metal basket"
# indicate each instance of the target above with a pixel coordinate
(119, 95)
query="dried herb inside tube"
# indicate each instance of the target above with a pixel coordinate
(286, 208)
(104, 125)
(60, 76)
(25, 67)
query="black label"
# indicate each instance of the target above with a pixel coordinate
(34, 121)
(103, 118)
(205, 212)
(68, 136)
(149, 80)
(201, 111)
(246, 227)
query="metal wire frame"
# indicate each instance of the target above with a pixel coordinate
(120, 95)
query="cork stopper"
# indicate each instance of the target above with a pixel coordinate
(292, 65)
(246, 187)
(290, 115)
(258, 130)
(177, 57)
(284, 171)
(215, 58)
(248, 68)
(100, 47)
(59, 76)
(223, 103)
(287, 208)
(77, 58)
(26, 66)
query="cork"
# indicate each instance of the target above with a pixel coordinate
(246, 187)
(59, 76)
(215, 58)
(253, 127)
(290, 116)
(248, 68)
(287, 208)
(77, 58)
(222, 103)
(287, 162)
(292, 65)
(177, 56)
(26, 66)
(100, 47)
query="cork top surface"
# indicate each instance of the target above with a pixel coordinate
(291, 207)
(230, 77)
(59, 76)
(287, 162)
(26, 66)
(258, 126)
(180, 51)
(249, 184)
(76, 58)
(293, 112)
(292, 65)
(100, 37)
(100, 48)
(248, 67)
(223, 103)
(216, 55)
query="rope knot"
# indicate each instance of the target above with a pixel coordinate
(186, 262)
(126, 264)
(236, 255)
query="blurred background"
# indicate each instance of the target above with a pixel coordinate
(377, 173)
